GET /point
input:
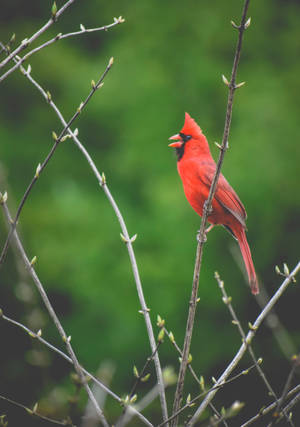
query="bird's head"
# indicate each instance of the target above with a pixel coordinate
(190, 131)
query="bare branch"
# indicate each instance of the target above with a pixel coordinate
(227, 301)
(127, 240)
(272, 321)
(34, 412)
(66, 339)
(206, 210)
(66, 357)
(246, 342)
(215, 388)
(265, 411)
(296, 360)
(25, 43)
(57, 140)
(59, 36)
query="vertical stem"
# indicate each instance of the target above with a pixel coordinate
(206, 211)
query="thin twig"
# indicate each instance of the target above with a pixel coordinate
(125, 235)
(139, 377)
(59, 36)
(143, 371)
(38, 337)
(57, 140)
(215, 388)
(285, 391)
(290, 278)
(206, 210)
(51, 311)
(227, 301)
(272, 321)
(169, 379)
(34, 412)
(25, 43)
(289, 406)
(265, 411)
(200, 383)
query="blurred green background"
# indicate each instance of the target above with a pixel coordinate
(169, 58)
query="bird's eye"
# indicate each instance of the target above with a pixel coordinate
(185, 137)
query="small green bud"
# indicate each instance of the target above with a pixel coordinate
(38, 170)
(133, 399)
(133, 238)
(145, 378)
(3, 198)
(160, 322)
(33, 261)
(161, 335)
(286, 270)
(123, 238)
(171, 336)
(240, 85)
(225, 80)
(135, 372)
(54, 10)
(202, 383)
(248, 23)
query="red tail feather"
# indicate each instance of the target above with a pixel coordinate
(241, 236)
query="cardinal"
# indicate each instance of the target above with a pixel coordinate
(196, 168)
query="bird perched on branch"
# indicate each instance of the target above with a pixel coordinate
(196, 168)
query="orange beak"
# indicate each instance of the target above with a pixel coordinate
(177, 143)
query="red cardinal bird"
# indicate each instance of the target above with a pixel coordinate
(196, 168)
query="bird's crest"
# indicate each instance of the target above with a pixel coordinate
(190, 127)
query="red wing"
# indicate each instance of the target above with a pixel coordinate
(225, 194)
